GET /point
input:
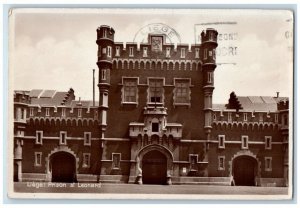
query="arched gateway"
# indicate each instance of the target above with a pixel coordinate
(154, 165)
(244, 170)
(63, 167)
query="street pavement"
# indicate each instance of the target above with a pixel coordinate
(45, 187)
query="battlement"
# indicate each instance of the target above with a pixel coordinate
(283, 104)
(21, 97)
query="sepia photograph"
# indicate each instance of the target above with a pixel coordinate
(151, 103)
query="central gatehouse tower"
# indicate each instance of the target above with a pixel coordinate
(155, 108)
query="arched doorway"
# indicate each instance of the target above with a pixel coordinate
(63, 167)
(244, 170)
(154, 166)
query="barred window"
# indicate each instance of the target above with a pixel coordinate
(156, 91)
(130, 91)
(116, 158)
(182, 92)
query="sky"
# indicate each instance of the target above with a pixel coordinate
(56, 49)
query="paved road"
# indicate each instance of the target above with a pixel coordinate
(146, 189)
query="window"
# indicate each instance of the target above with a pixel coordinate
(276, 118)
(104, 33)
(229, 117)
(155, 127)
(221, 163)
(117, 51)
(268, 163)
(130, 91)
(47, 112)
(87, 138)
(86, 157)
(268, 142)
(168, 54)
(103, 74)
(182, 92)
(116, 158)
(210, 53)
(156, 91)
(63, 138)
(63, 112)
(145, 49)
(211, 36)
(131, 51)
(39, 137)
(214, 54)
(205, 54)
(209, 77)
(79, 113)
(193, 162)
(31, 112)
(245, 117)
(182, 54)
(261, 117)
(38, 159)
(214, 117)
(103, 50)
(99, 51)
(197, 53)
(221, 141)
(244, 142)
(95, 115)
(108, 51)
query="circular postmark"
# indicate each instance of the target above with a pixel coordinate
(157, 28)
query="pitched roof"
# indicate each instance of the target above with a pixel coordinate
(255, 103)
(47, 97)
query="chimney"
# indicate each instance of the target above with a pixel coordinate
(93, 87)
(277, 94)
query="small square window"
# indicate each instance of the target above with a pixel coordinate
(221, 163)
(193, 162)
(47, 112)
(38, 159)
(261, 117)
(86, 157)
(244, 142)
(276, 118)
(268, 163)
(39, 137)
(63, 138)
(87, 138)
(229, 117)
(131, 51)
(245, 117)
(108, 51)
(117, 51)
(214, 117)
(168, 52)
(182, 54)
(221, 141)
(209, 77)
(63, 112)
(197, 53)
(95, 115)
(31, 112)
(103, 74)
(116, 159)
(79, 112)
(145, 50)
(268, 142)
